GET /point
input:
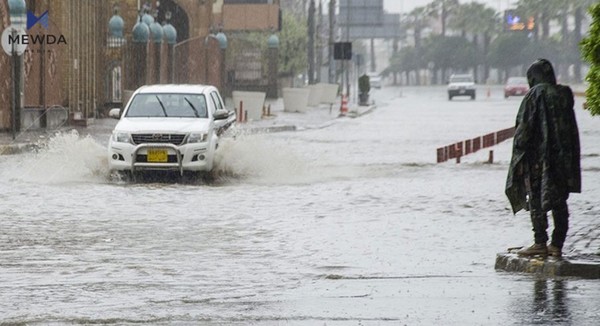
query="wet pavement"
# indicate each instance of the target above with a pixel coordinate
(583, 247)
(342, 222)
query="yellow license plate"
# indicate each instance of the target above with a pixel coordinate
(157, 156)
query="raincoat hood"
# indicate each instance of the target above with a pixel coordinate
(541, 71)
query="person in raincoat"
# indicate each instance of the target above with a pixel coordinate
(545, 164)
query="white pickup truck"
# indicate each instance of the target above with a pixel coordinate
(168, 127)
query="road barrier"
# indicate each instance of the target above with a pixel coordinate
(469, 146)
(344, 106)
(242, 116)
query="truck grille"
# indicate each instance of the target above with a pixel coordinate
(175, 139)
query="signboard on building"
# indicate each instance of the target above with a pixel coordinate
(516, 22)
(251, 15)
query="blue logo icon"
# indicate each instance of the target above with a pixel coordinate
(32, 19)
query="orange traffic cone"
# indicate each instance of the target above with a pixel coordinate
(344, 107)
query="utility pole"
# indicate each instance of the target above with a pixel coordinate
(373, 63)
(311, 42)
(319, 42)
(331, 41)
(347, 65)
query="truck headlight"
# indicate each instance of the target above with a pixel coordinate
(197, 137)
(121, 137)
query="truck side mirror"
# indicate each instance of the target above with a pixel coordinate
(115, 113)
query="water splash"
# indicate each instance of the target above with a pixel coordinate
(264, 159)
(260, 158)
(63, 158)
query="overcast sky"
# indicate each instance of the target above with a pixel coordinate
(405, 6)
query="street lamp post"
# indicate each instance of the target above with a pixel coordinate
(18, 20)
(139, 52)
(273, 48)
(222, 41)
(15, 88)
(171, 38)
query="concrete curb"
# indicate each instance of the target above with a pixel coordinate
(13, 149)
(549, 267)
(18, 148)
(266, 130)
(359, 113)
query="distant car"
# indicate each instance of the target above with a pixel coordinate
(461, 85)
(374, 80)
(516, 86)
(168, 127)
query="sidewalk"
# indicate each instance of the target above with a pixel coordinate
(313, 118)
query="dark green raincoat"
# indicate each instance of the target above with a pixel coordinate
(546, 135)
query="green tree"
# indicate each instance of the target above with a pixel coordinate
(579, 7)
(292, 46)
(478, 20)
(403, 62)
(508, 51)
(442, 9)
(417, 20)
(450, 52)
(544, 12)
(590, 47)
(550, 49)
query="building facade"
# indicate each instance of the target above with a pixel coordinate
(89, 70)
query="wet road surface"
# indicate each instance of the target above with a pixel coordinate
(353, 224)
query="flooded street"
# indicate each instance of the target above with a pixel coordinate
(353, 224)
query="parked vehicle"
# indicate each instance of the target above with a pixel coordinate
(168, 127)
(375, 80)
(461, 85)
(516, 86)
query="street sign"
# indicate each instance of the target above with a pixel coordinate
(361, 13)
(389, 29)
(342, 51)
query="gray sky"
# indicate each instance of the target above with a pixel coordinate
(404, 6)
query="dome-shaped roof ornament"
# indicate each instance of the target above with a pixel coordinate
(141, 32)
(169, 31)
(222, 38)
(156, 29)
(273, 41)
(17, 10)
(146, 17)
(116, 24)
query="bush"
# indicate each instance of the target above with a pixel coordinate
(364, 84)
(590, 49)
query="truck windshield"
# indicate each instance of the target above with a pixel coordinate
(461, 79)
(168, 105)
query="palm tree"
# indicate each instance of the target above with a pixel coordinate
(442, 9)
(544, 11)
(478, 20)
(417, 20)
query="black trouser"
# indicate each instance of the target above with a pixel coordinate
(539, 220)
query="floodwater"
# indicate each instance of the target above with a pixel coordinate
(353, 224)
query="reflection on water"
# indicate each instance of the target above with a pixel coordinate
(549, 304)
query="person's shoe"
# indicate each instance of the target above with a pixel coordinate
(554, 251)
(537, 249)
